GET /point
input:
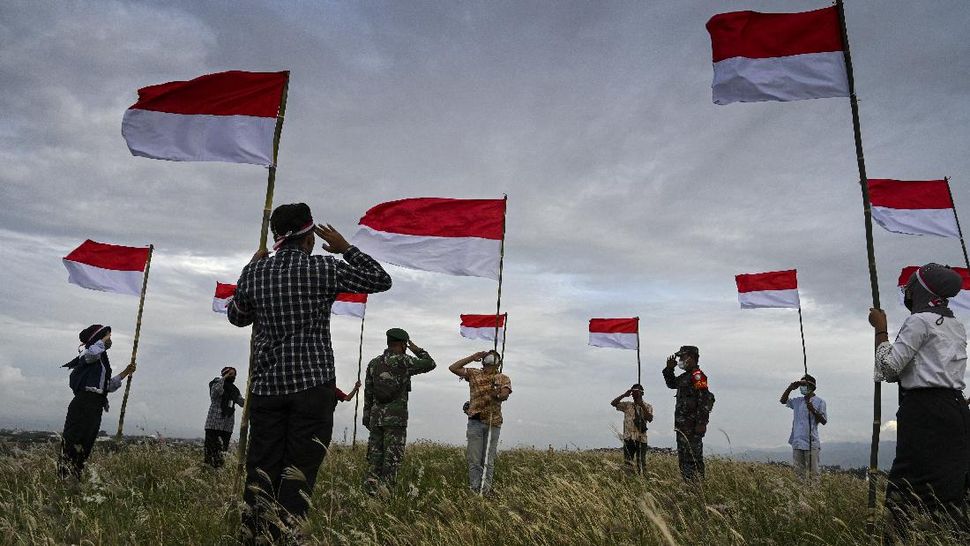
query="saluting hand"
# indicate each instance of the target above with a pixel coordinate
(334, 242)
(477, 357)
(671, 361)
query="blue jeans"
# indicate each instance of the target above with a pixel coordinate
(477, 431)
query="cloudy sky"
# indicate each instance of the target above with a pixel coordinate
(630, 193)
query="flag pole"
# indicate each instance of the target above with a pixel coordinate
(963, 245)
(498, 311)
(134, 344)
(638, 351)
(801, 328)
(263, 232)
(505, 332)
(871, 255)
(360, 362)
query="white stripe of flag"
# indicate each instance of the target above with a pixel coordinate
(353, 305)
(482, 327)
(106, 267)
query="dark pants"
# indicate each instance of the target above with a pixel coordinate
(81, 427)
(385, 452)
(931, 471)
(288, 438)
(216, 443)
(635, 455)
(690, 456)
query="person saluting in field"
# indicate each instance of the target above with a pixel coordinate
(91, 382)
(386, 388)
(224, 396)
(693, 409)
(287, 299)
(808, 412)
(931, 470)
(636, 415)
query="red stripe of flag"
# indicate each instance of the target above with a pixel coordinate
(439, 217)
(482, 321)
(614, 325)
(762, 35)
(915, 194)
(352, 298)
(223, 94)
(224, 290)
(106, 256)
(772, 280)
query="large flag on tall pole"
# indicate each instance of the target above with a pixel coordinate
(959, 303)
(774, 289)
(223, 297)
(917, 207)
(616, 333)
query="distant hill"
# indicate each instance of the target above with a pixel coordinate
(844, 454)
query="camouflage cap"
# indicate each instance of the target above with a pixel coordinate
(397, 334)
(688, 350)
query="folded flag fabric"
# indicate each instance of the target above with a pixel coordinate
(353, 305)
(223, 296)
(482, 326)
(229, 116)
(617, 333)
(771, 289)
(959, 304)
(453, 236)
(777, 56)
(917, 207)
(106, 267)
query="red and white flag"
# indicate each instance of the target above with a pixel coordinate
(353, 305)
(108, 268)
(453, 236)
(919, 207)
(229, 116)
(482, 326)
(959, 303)
(777, 56)
(223, 297)
(773, 289)
(617, 333)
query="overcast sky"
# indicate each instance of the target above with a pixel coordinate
(630, 193)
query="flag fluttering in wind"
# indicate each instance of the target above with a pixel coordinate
(482, 327)
(778, 289)
(777, 56)
(959, 303)
(919, 207)
(353, 305)
(616, 333)
(228, 116)
(453, 236)
(106, 267)
(223, 297)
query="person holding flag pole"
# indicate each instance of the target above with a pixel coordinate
(354, 305)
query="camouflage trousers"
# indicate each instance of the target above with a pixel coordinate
(690, 456)
(385, 451)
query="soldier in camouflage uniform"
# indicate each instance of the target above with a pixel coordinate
(693, 409)
(386, 388)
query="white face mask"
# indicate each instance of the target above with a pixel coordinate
(682, 364)
(490, 359)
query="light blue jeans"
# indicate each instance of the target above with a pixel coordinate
(477, 431)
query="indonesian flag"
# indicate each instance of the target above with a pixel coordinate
(960, 302)
(617, 333)
(353, 305)
(229, 116)
(223, 296)
(453, 236)
(108, 268)
(919, 207)
(777, 56)
(773, 289)
(482, 326)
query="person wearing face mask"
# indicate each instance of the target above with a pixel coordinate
(91, 382)
(488, 388)
(808, 412)
(636, 415)
(931, 470)
(224, 396)
(692, 411)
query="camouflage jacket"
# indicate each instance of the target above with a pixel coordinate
(395, 412)
(694, 400)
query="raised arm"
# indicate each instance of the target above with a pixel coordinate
(458, 368)
(784, 395)
(423, 363)
(361, 274)
(616, 401)
(668, 372)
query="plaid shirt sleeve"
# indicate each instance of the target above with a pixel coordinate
(361, 274)
(240, 310)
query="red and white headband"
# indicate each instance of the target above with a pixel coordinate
(280, 239)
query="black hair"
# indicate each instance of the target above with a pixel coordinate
(290, 218)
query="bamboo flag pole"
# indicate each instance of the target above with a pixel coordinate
(871, 255)
(963, 244)
(638, 351)
(801, 328)
(134, 344)
(360, 362)
(505, 333)
(263, 235)
(498, 311)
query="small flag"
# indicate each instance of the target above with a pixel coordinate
(108, 268)
(772, 289)
(224, 294)
(453, 236)
(617, 333)
(482, 326)
(352, 305)
(229, 116)
(920, 207)
(777, 56)
(960, 302)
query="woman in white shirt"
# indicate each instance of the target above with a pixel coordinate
(931, 471)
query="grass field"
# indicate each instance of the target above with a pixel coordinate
(160, 494)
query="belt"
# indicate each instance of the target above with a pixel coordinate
(476, 417)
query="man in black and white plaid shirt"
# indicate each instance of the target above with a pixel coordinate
(287, 299)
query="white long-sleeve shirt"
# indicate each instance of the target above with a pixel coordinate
(930, 351)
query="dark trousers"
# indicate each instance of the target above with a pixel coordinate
(635, 455)
(690, 456)
(216, 443)
(81, 427)
(288, 438)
